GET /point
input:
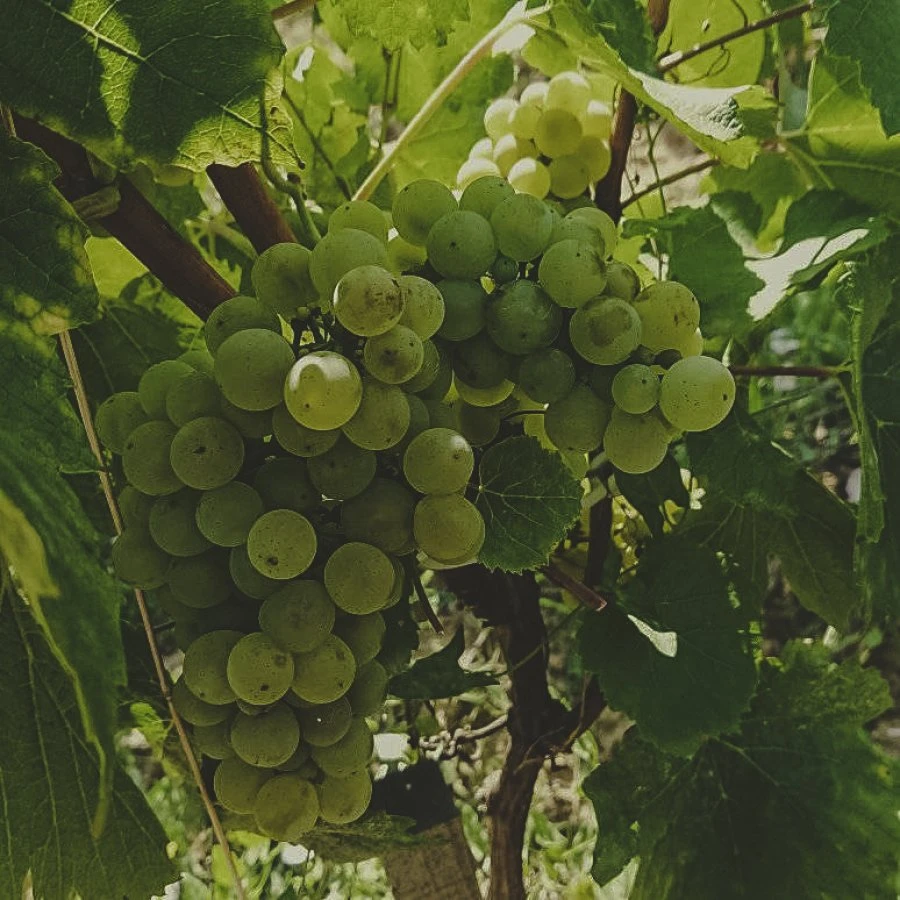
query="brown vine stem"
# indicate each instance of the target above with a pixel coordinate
(796, 371)
(580, 590)
(292, 9)
(81, 399)
(701, 166)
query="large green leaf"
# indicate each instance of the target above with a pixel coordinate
(700, 648)
(162, 82)
(50, 785)
(649, 493)
(625, 26)
(796, 803)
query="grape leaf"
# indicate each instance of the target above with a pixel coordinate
(50, 784)
(528, 499)
(624, 24)
(681, 588)
(648, 493)
(768, 804)
(372, 835)
(439, 675)
(170, 82)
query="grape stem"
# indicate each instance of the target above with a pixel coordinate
(701, 166)
(291, 9)
(578, 589)
(796, 371)
(412, 570)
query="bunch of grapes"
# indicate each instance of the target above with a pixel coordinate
(552, 140)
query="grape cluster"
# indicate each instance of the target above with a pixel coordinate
(552, 140)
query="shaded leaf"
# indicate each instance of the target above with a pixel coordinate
(624, 25)
(373, 835)
(648, 493)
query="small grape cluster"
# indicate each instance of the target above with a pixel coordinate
(552, 140)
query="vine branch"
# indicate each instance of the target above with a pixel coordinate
(580, 590)
(701, 166)
(291, 9)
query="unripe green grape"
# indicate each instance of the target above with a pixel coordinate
(572, 272)
(497, 117)
(192, 396)
(461, 245)
(145, 459)
(205, 665)
(423, 306)
(348, 755)
(324, 674)
(485, 396)
(298, 616)
(570, 91)
(577, 421)
(479, 362)
(395, 356)
(441, 383)
(529, 176)
(172, 606)
(448, 528)
(621, 281)
(404, 256)
(507, 151)
(282, 544)
(359, 214)
(418, 206)
(281, 279)
(266, 740)
(199, 359)
(534, 94)
(438, 461)
(174, 527)
(323, 390)
(155, 384)
(479, 425)
(259, 671)
(239, 313)
(483, 195)
(635, 389)
(339, 253)
(344, 800)
(297, 438)
(523, 225)
(214, 741)
(138, 561)
(558, 132)
(474, 169)
(368, 301)
(225, 515)
(382, 417)
(251, 367)
(566, 229)
(601, 223)
(200, 581)
(286, 808)
(325, 724)
(547, 375)
(504, 270)
(250, 424)
(669, 314)
(697, 393)
(135, 507)
(465, 303)
(247, 578)
(298, 759)
(444, 414)
(364, 635)
(236, 784)
(595, 154)
(284, 483)
(419, 420)
(207, 453)
(569, 176)
(381, 515)
(367, 693)
(428, 371)
(692, 345)
(635, 444)
(116, 417)
(194, 710)
(522, 318)
(605, 331)
(524, 120)
(359, 577)
(482, 149)
(597, 119)
(344, 471)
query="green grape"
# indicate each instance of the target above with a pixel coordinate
(605, 331)
(364, 635)
(281, 279)
(523, 225)
(367, 693)
(572, 272)
(225, 515)
(173, 607)
(135, 507)
(207, 453)
(566, 229)
(323, 390)
(594, 152)
(534, 94)
(577, 421)
(268, 739)
(236, 784)
(344, 800)
(200, 581)
(286, 807)
(570, 91)
(194, 710)
(473, 170)
(252, 425)
(522, 318)
(251, 367)
(465, 303)
(326, 724)
(145, 459)
(419, 420)
(597, 119)
(438, 461)
(348, 755)
(557, 133)
(174, 527)
(359, 578)
(298, 616)
(418, 206)
(339, 253)
(508, 150)
(440, 385)
(569, 176)
(669, 314)
(635, 389)
(524, 120)
(117, 417)
(504, 270)
(547, 375)
(282, 544)
(192, 396)
(200, 360)
(497, 117)
(404, 256)
(529, 176)
(324, 674)
(428, 371)
(205, 665)
(362, 215)
(380, 515)
(485, 396)
(297, 438)
(696, 393)
(483, 195)
(368, 301)
(635, 444)
(482, 149)
(214, 740)
(246, 578)
(601, 223)
(382, 417)
(691, 346)
(155, 384)
(344, 471)
(621, 281)
(448, 528)
(479, 425)
(423, 305)
(138, 561)
(479, 362)
(259, 671)
(395, 356)
(298, 759)
(461, 245)
(284, 483)
(237, 314)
